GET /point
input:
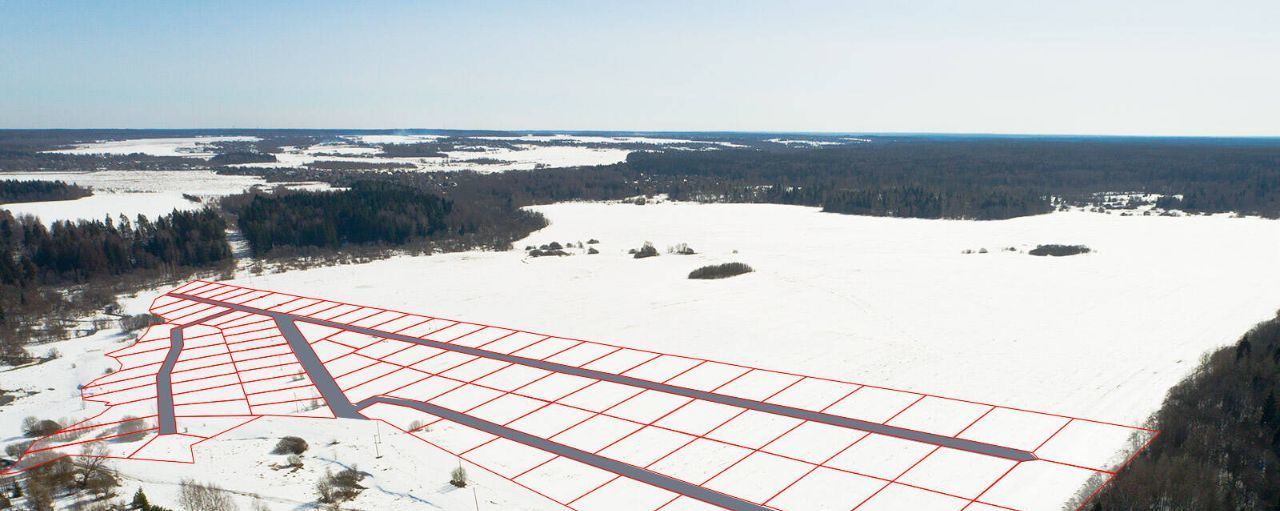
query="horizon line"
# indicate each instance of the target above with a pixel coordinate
(666, 131)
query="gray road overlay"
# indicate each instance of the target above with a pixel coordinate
(341, 406)
(338, 402)
(164, 378)
(164, 384)
(787, 411)
(623, 469)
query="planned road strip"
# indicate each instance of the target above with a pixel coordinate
(283, 318)
(623, 469)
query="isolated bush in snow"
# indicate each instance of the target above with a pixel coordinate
(645, 251)
(1059, 250)
(720, 271)
(290, 445)
(458, 477)
(131, 430)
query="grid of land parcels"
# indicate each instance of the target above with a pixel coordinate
(589, 425)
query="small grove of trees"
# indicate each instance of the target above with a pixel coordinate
(1219, 446)
(52, 476)
(196, 496)
(646, 250)
(681, 248)
(369, 212)
(340, 487)
(131, 429)
(720, 271)
(12, 190)
(1059, 250)
(33, 427)
(135, 322)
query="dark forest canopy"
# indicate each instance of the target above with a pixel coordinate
(961, 177)
(1219, 445)
(926, 177)
(368, 213)
(38, 262)
(13, 191)
(241, 157)
(74, 252)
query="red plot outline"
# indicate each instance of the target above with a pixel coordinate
(180, 311)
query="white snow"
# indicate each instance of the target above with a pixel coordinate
(193, 147)
(804, 142)
(595, 139)
(134, 192)
(393, 139)
(879, 301)
(890, 302)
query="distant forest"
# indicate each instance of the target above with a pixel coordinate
(923, 177)
(13, 191)
(37, 259)
(982, 178)
(1219, 447)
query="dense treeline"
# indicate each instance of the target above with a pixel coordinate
(720, 271)
(1219, 447)
(240, 157)
(928, 177)
(423, 150)
(12, 190)
(973, 177)
(923, 202)
(67, 252)
(36, 260)
(368, 212)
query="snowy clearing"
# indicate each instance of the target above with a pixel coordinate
(134, 192)
(888, 301)
(892, 302)
(193, 147)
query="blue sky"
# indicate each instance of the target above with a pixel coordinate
(1165, 67)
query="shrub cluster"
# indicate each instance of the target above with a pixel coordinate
(720, 271)
(1059, 250)
(290, 445)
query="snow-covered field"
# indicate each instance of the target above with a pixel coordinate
(594, 139)
(892, 302)
(133, 192)
(193, 147)
(883, 301)
(521, 157)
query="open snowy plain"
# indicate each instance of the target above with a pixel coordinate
(135, 192)
(903, 303)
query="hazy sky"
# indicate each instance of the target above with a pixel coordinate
(1016, 66)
